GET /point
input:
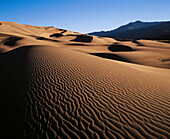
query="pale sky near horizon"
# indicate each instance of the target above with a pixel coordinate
(83, 15)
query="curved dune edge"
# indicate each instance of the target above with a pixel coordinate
(62, 93)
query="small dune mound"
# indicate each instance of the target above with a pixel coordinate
(11, 41)
(118, 47)
(56, 35)
(83, 38)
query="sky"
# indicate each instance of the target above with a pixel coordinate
(83, 15)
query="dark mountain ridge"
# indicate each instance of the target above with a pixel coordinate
(139, 30)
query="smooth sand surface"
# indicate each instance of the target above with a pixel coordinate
(79, 86)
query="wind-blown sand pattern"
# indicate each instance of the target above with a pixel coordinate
(50, 89)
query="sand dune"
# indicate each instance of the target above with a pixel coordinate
(58, 88)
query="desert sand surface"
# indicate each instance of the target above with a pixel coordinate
(56, 83)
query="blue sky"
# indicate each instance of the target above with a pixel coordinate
(83, 15)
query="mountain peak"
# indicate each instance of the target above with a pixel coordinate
(138, 21)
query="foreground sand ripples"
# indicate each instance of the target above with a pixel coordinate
(74, 95)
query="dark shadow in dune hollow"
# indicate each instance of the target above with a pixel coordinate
(56, 35)
(83, 38)
(110, 56)
(71, 35)
(119, 48)
(11, 41)
(42, 38)
(122, 40)
(63, 31)
(137, 42)
(77, 44)
(165, 60)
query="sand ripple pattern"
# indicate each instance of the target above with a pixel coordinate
(74, 95)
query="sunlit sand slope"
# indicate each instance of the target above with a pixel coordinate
(54, 92)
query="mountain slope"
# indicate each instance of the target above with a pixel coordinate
(139, 30)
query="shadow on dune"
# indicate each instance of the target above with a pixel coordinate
(166, 60)
(119, 48)
(42, 38)
(138, 43)
(123, 40)
(110, 56)
(12, 94)
(63, 31)
(77, 44)
(11, 41)
(83, 38)
(56, 35)
(71, 35)
(164, 41)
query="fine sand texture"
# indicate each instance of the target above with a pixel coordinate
(71, 85)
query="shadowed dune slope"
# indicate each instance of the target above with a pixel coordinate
(56, 35)
(119, 48)
(11, 41)
(83, 38)
(110, 56)
(68, 94)
(12, 93)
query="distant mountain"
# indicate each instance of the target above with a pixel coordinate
(139, 30)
